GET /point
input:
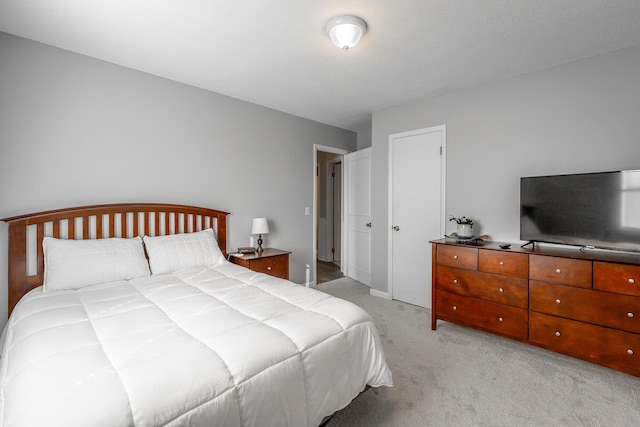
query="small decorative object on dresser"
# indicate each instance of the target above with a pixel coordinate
(465, 226)
(270, 261)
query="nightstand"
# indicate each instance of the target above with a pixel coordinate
(270, 261)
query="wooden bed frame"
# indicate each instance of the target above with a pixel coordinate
(26, 232)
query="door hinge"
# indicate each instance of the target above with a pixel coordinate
(333, 250)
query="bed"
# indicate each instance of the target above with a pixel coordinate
(131, 314)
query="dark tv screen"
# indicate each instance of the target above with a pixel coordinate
(592, 209)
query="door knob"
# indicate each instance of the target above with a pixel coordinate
(396, 228)
(368, 224)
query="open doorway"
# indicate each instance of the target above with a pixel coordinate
(328, 216)
(328, 259)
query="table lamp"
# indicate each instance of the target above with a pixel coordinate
(259, 227)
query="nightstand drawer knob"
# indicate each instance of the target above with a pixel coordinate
(501, 263)
(558, 301)
(557, 333)
(632, 280)
(558, 271)
(455, 257)
(501, 290)
(455, 307)
(269, 268)
(630, 352)
(629, 314)
(455, 281)
(500, 319)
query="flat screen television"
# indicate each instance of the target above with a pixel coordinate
(600, 210)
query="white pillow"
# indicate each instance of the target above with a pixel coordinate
(179, 251)
(74, 264)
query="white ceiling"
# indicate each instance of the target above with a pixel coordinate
(276, 54)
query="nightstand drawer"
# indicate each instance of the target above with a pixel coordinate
(270, 261)
(275, 266)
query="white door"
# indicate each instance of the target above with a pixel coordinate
(416, 216)
(357, 179)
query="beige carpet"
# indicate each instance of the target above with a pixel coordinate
(456, 376)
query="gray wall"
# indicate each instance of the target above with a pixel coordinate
(580, 117)
(77, 131)
(364, 139)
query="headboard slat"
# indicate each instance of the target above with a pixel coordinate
(156, 224)
(99, 219)
(39, 251)
(124, 225)
(56, 229)
(85, 227)
(167, 218)
(20, 282)
(136, 221)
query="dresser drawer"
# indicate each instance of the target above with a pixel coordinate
(275, 266)
(566, 271)
(609, 347)
(507, 263)
(619, 278)
(496, 318)
(489, 287)
(601, 308)
(457, 256)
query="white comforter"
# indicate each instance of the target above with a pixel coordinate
(219, 346)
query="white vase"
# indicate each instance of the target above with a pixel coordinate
(465, 230)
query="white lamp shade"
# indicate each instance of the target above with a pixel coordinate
(259, 226)
(346, 31)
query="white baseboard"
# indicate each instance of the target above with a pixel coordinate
(379, 294)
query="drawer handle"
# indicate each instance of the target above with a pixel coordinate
(500, 319)
(558, 271)
(269, 268)
(455, 257)
(629, 314)
(630, 352)
(558, 301)
(455, 307)
(501, 263)
(632, 280)
(558, 333)
(501, 290)
(455, 281)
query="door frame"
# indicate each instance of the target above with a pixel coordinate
(330, 207)
(313, 279)
(443, 171)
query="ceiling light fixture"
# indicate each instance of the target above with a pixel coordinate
(345, 31)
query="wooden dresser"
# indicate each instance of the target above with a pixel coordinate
(583, 304)
(270, 261)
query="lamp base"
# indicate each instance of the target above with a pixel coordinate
(260, 249)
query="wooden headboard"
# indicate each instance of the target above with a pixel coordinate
(26, 232)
